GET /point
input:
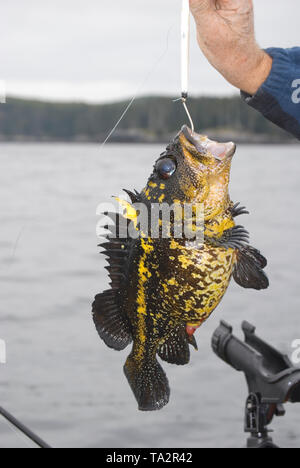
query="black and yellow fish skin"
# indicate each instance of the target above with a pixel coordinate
(161, 286)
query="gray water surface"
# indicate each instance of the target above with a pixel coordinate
(60, 379)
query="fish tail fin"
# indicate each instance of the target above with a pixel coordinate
(148, 382)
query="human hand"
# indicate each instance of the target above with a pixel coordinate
(225, 30)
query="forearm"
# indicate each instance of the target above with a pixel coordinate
(248, 73)
(225, 31)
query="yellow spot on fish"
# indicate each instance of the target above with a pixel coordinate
(185, 261)
(173, 244)
(146, 246)
(196, 275)
(142, 339)
(198, 293)
(144, 276)
(189, 304)
(129, 211)
(173, 282)
(194, 324)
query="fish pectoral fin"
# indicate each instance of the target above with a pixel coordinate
(175, 349)
(248, 269)
(238, 210)
(234, 238)
(148, 382)
(112, 326)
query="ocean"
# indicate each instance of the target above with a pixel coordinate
(59, 378)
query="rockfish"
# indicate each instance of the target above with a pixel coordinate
(163, 289)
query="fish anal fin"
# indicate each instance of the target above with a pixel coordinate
(175, 349)
(248, 269)
(148, 383)
(112, 326)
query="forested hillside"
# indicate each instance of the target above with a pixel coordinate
(151, 119)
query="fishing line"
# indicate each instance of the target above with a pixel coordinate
(185, 65)
(140, 87)
(14, 251)
(185, 57)
(15, 247)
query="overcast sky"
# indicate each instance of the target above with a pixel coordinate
(101, 50)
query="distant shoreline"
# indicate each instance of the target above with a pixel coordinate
(139, 138)
(151, 120)
(142, 143)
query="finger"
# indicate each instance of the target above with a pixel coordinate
(234, 4)
(200, 6)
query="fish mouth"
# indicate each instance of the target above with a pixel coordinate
(206, 147)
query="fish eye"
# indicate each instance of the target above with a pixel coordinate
(166, 168)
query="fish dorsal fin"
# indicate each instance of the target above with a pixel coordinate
(134, 196)
(108, 314)
(116, 249)
(129, 211)
(175, 349)
(248, 270)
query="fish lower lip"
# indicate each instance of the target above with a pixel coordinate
(220, 151)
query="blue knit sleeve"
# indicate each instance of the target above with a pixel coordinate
(278, 99)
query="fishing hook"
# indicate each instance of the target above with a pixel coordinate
(184, 100)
